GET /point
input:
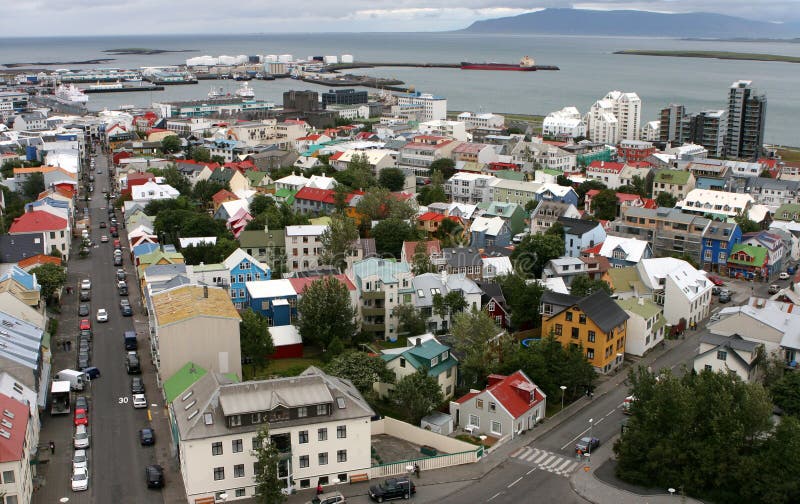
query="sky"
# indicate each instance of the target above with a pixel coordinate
(101, 17)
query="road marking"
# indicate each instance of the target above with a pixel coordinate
(540, 457)
(515, 482)
(547, 461)
(562, 466)
(531, 456)
(527, 473)
(614, 410)
(571, 467)
(518, 451)
(578, 436)
(493, 496)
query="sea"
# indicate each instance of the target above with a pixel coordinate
(589, 69)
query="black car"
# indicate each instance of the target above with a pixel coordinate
(103, 224)
(587, 444)
(147, 437)
(86, 295)
(81, 403)
(392, 488)
(126, 310)
(117, 262)
(724, 297)
(154, 474)
(137, 385)
(120, 275)
(83, 310)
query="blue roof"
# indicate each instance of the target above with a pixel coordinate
(384, 268)
(22, 277)
(144, 249)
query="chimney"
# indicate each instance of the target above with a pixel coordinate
(205, 291)
(419, 342)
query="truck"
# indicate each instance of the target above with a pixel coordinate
(60, 397)
(130, 340)
(77, 380)
(627, 403)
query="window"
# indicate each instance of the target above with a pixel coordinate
(256, 443)
(240, 492)
(576, 333)
(235, 420)
(216, 448)
(302, 411)
(11, 499)
(496, 428)
(492, 406)
(708, 367)
(237, 446)
(219, 473)
(238, 471)
(8, 477)
(341, 456)
(568, 316)
(322, 409)
(341, 431)
(323, 458)
(591, 336)
(303, 461)
(707, 255)
(449, 372)
(590, 353)
(475, 420)
(302, 437)
(305, 483)
(479, 403)
(322, 434)
(722, 355)
(402, 362)
(582, 318)
(558, 329)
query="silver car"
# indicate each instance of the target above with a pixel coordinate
(81, 439)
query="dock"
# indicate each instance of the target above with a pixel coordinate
(125, 89)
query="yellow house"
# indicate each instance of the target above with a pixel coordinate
(596, 323)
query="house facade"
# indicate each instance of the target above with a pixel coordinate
(243, 268)
(646, 325)
(718, 241)
(547, 213)
(581, 234)
(18, 449)
(274, 299)
(723, 354)
(381, 285)
(56, 231)
(423, 353)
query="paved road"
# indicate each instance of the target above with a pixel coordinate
(116, 460)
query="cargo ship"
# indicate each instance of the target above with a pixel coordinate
(526, 64)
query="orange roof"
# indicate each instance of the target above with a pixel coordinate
(431, 216)
(34, 169)
(37, 260)
(223, 195)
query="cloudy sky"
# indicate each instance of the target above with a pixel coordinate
(101, 17)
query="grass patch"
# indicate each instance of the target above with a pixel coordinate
(280, 367)
(790, 155)
(469, 439)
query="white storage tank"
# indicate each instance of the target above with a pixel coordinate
(270, 58)
(227, 60)
(330, 60)
(347, 58)
(285, 58)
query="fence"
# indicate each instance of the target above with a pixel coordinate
(425, 463)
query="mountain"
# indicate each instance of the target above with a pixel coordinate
(633, 23)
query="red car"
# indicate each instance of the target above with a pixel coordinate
(716, 280)
(86, 325)
(81, 417)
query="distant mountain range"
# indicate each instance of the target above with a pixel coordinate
(634, 23)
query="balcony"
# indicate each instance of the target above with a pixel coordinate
(366, 295)
(373, 312)
(374, 327)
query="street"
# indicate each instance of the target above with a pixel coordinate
(116, 460)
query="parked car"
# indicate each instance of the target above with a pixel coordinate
(154, 474)
(85, 324)
(93, 372)
(725, 297)
(139, 401)
(715, 291)
(147, 436)
(117, 262)
(83, 310)
(716, 280)
(102, 224)
(132, 363)
(83, 360)
(82, 403)
(120, 275)
(126, 310)
(104, 239)
(86, 284)
(86, 334)
(86, 295)
(102, 315)
(80, 460)
(80, 479)
(392, 488)
(587, 444)
(81, 439)
(328, 498)
(81, 417)
(784, 275)
(137, 385)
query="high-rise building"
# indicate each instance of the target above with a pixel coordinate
(670, 124)
(344, 97)
(747, 112)
(303, 101)
(626, 111)
(707, 128)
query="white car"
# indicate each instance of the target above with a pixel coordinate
(86, 284)
(102, 315)
(80, 460)
(139, 401)
(104, 239)
(783, 275)
(80, 479)
(81, 439)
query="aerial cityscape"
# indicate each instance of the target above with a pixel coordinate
(493, 253)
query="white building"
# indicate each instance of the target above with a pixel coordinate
(683, 291)
(722, 354)
(320, 425)
(423, 352)
(706, 201)
(564, 123)
(351, 112)
(482, 121)
(646, 325)
(432, 107)
(651, 131)
(452, 129)
(428, 285)
(303, 247)
(150, 191)
(615, 117)
(471, 188)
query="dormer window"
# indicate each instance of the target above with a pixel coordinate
(322, 409)
(235, 420)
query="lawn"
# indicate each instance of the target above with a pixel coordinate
(790, 155)
(280, 367)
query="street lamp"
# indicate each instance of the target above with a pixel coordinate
(591, 431)
(563, 388)
(482, 437)
(620, 358)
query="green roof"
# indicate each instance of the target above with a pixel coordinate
(511, 175)
(672, 176)
(420, 357)
(554, 173)
(386, 269)
(647, 309)
(286, 195)
(791, 209)
(320, 221)
(254, 176)
(428, 350)
(759, 255)
(623, 279)
(184, 378)
(502, 209)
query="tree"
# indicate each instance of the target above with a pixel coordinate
(564, 181)
(746, 224)
(51, 278)
(204, 190)
(534, 251)
(268, 484)
(418, 394)
(531, 205)
(326, 313)
(339, 241)
(587, 186)
(209, 253)
(393, 179)
(360, 368)
(256, 341)
(786, 393)
(378, 203)
(390, 234)
(451, 233)
(604, 204)
(260, 203)
(665, 199)
(174, 178)
(582, 286)
(765, 174)
(201, 155)
(523, 301)
(170, 144)
(449, 304)
(637, 186)
(411, 321)
(474, 336)
(433, 192)
(421, 262)
(33, 186)
(358, 174)
(446, 166)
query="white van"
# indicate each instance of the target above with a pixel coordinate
(76, 379)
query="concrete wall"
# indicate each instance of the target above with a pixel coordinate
(202, 340)
(417, 435)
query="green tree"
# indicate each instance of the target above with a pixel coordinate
(765, 174)
(256, 341)
(326, 313)
(534, 251)
(564, 181)
(418, 394)
(378, 203)
(268, 484)
(51, 278)
(179, 203)
(446, 166)
(587, 186)
(201, 155)
(421, 262)
(771, 475)
(390, 234)
(411, 321)
(360, 368)
(451, 233)
(451, 303)
(604, 204)
(637, 186)
(393, 179)
(433, 192)
(260, 203)
(174, 178)
(358, 174)
(7, 169)
(171, 144)
(339, 241)
(531, 205)
(475, 336)
(33, 186)
(523, 301)
(204, 190)
(746, 224)
(208, 253)
(786, 393)
(665, 199)
(14, 207)
(582, 286)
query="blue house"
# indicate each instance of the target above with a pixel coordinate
(275, 299)
(244, 268)
(555, 192)
(718, 241)
(581, 234)
(490, 231)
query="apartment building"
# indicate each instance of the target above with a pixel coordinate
(646, 325)
(668, 230)
(548, 212)
(472, 188)
(747, 116)
(605, 172)
(564, 123)
(676, 183)
(417, 156)
(615, 117)
(683, 291)
(303, 247)
(439, 127)
(484, 120)
(381, 285)
(513, 191)
(432, 107)
(718, 203)
(17, 449)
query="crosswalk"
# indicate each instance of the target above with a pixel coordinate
(546, 461)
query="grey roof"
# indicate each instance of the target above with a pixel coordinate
(559, 208)
(603, 310)
(733, 354)
(14, 248)
(458, 257)
(266, 395)
(558, 299)
(774, 184)
(491, 290)
(716, 230)
(734, 341)
(577, 227)
(165, 269)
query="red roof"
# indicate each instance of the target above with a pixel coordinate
(593, 250)
(431, 216)
(310, 137)
(513, 392)
(37, 221)
(431, 247)
(639, 164)
(322, 195)
(37, 260)
(503, 166)
(429, 138)
(140, 177)
(555, 143)
(649, 203)
(466, 397)
(300, 284)
(223, 195)
(627, 197)
(336, 155)
(11, 449)
(364, 135)
(606, 166)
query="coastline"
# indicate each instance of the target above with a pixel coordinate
(723, 55)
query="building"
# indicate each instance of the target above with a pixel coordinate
(772, 323)
(683, 291)
(634, 151)
(303, 247)
(432, 107)
(301, 101)
(484, 120)
(747, 117)
(716, 203)
(320, 425)
(595, 322)
(622, 252)
(243, 268)
(724, 354)
(55, 231)
(513, 213)
(381, 285)
(197, 324)
(507, 407)
(512, 191)
(646, 325)
(788, 212)
(564, 123)
(581, 234)
(18, 447)
(650, 131)
(677, 183)
(150, 191)
(773, 243)
(555, 192)
(344, 97)
(565, 268)
(451, 129)
(671, 119)
(615, 117)
(718, 241)
(668, 230)
(417, 156)
(707, 128)
(274, 299)
(605, 172)
(490, 231)
(427, 286)
(773, 192)
(547, 213)
(471, 188)
(426, 353)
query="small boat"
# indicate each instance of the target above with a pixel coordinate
(115, 85)
(245, 91)
(216, 93)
